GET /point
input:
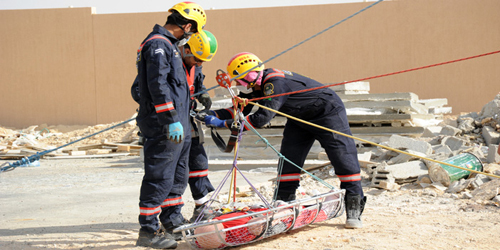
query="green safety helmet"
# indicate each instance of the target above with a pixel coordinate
(203, 45)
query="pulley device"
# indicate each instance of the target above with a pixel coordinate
(224, 81)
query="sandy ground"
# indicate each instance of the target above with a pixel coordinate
(93, 204)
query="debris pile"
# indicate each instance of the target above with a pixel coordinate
(471, 133)
(22, 143)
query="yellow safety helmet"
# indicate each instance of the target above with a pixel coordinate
(203, 45)
(243, 62)
(191, 11)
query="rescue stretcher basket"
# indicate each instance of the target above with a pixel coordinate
(240, 228)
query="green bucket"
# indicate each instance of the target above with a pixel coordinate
(446, 174)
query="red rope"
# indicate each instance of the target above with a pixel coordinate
(378, 76)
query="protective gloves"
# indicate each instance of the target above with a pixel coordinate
(205, 100)
(175, 132)
(214, 122)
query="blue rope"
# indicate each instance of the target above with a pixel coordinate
(294, 46)
(36, 157)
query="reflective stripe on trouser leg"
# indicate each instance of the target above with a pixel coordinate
(341, 152)
(157, 182)
(171, 210)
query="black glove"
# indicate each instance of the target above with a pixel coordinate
(205, 100)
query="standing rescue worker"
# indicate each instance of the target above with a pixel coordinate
(322, 106)
(200, 48)
(163, 119)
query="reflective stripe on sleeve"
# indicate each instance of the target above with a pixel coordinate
(201, 173)
(276, 73)
(164, 107)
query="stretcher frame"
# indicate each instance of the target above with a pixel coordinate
(302, 212)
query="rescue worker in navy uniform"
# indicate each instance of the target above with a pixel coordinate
(200, 48)
(322, 107)
(163, 119)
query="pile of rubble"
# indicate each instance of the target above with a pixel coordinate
(475, 133)
(119, 141)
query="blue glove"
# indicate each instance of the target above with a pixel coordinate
(212, 121)
(175, 132)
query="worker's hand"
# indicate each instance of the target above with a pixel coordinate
(175, 132)
(205, 100)
(214, 122)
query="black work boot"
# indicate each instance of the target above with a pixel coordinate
(208, 213)
(169, 229)
(354, 206)
(155, 240)
(286, 197)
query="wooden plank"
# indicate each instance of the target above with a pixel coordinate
(87, 156)
(131, 146)
(123, 148)
(88, 147)
(76, 152)
(98, 151)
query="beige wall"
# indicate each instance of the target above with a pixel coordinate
(67, 66)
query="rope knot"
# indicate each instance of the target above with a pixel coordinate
(241, 102)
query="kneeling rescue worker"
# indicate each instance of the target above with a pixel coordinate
(322, 106)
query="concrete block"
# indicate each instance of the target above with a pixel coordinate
(479, 180)
(442, 149)
(411, 169)
(440, 110)
(432, 131)
(496, 199)
(401, 158)
(466, 195)
(449, 121)
(434, 103)
(491, 108)
(401, 142)
(366, 156)
(450, 131)
(467, 125)
(380, 175)
(453, 143)
(486, 191)
(388, 185)
(490, 135)
(424, 179)
(352, 86)
(458, 186)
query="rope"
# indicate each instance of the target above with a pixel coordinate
(377, 76)
(283, 158)
(37, 156)
(369, 142)
(294, 46)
